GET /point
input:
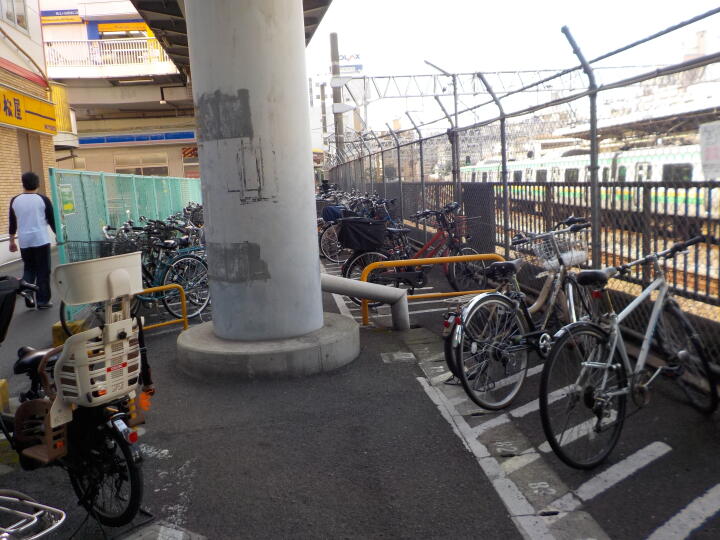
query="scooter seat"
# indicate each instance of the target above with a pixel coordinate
(29, 360)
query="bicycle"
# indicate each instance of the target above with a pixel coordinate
(487, 344)
(164, 261)
(77, 412)
(23, 518)
(448, 240)
(588, 375)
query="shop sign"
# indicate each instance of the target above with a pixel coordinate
(60, 16)
(67, 199)
(23, 111)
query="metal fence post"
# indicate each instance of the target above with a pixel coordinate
(594, 184)
(504, 172)
(399, 176)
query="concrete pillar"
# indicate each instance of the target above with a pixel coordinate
(249, 85)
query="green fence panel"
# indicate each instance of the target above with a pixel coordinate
(87, 200)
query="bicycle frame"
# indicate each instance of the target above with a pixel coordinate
(617, 343)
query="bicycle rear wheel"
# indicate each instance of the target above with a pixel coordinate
(191, 273)
(582, 417)
(330, 247)
(491, 360)
(683, 349)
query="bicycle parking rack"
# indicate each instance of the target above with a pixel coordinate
(183, 306)
(425, 262)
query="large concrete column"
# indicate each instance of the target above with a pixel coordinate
(249, 85)
(247, 59)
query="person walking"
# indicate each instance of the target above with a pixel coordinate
(30, 215)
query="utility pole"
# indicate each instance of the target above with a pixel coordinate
(324, 121)
(337, 94)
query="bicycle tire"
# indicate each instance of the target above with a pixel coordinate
(490, 356)
(191, 273)
(681, 346)
(451, 355)
(354, 266)
(330, 247)
(466, 276)
(578, 343)
(96, 464)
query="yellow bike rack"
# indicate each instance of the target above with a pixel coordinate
(183, 306)
(425, 262)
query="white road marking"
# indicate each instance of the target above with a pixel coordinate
(460, 399)
(534, 405)
(520, 509)
(611, 476)
(691, 517)
(577, 432)
(518, 462)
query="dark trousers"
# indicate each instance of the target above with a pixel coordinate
(37, 270)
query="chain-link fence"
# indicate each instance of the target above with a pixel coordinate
(86, 201)
(618, 145)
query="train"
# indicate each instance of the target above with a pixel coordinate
(674, 175)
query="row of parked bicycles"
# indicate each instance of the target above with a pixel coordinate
(571, 327)
(173, 252)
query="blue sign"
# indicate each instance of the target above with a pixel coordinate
(59, 12)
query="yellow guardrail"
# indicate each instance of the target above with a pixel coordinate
(425, 262)
(183, 306)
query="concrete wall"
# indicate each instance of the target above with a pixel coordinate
(29, 40)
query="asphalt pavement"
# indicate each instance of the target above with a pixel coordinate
(383, 448)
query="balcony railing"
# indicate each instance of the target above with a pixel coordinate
(107, 58)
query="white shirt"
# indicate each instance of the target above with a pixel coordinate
(30, 215)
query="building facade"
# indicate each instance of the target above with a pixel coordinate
(133, 108)
(27, 115)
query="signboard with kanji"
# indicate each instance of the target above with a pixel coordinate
(23, 111)
(710, 150)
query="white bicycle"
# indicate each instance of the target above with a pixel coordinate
(588, 375)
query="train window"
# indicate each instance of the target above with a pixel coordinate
(484, 177)
(517, 176)
(677, 172)
(555, 176)
(588, 174)
(528, 175)
(571, 175)
(474, 177)
(643, 171)
(541, 175)
(605, 174)
(622, 173)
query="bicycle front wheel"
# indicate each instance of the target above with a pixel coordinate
(582, 413)
(355, 265)
(683, 350)
(469, 275)
(191, 273)
(491, 360)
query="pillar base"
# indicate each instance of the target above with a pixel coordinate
(204, 355)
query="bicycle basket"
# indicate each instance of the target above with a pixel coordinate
(361, 234)
(573, 248)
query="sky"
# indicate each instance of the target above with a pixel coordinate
(396, 36)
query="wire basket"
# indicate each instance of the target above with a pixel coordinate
(548, 252)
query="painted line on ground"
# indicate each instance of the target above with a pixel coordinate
(521, 510)
(576, 432)
(534, 405)
(691, 517)
(611, 476)
(460, 399)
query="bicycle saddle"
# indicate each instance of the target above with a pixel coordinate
(595, 278)
(166, 244)
(502, 269)
(29, 360)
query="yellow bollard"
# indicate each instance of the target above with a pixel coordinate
(4, 396)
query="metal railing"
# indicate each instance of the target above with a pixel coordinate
(105, 52)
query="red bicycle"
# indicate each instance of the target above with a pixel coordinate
(448, 240)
